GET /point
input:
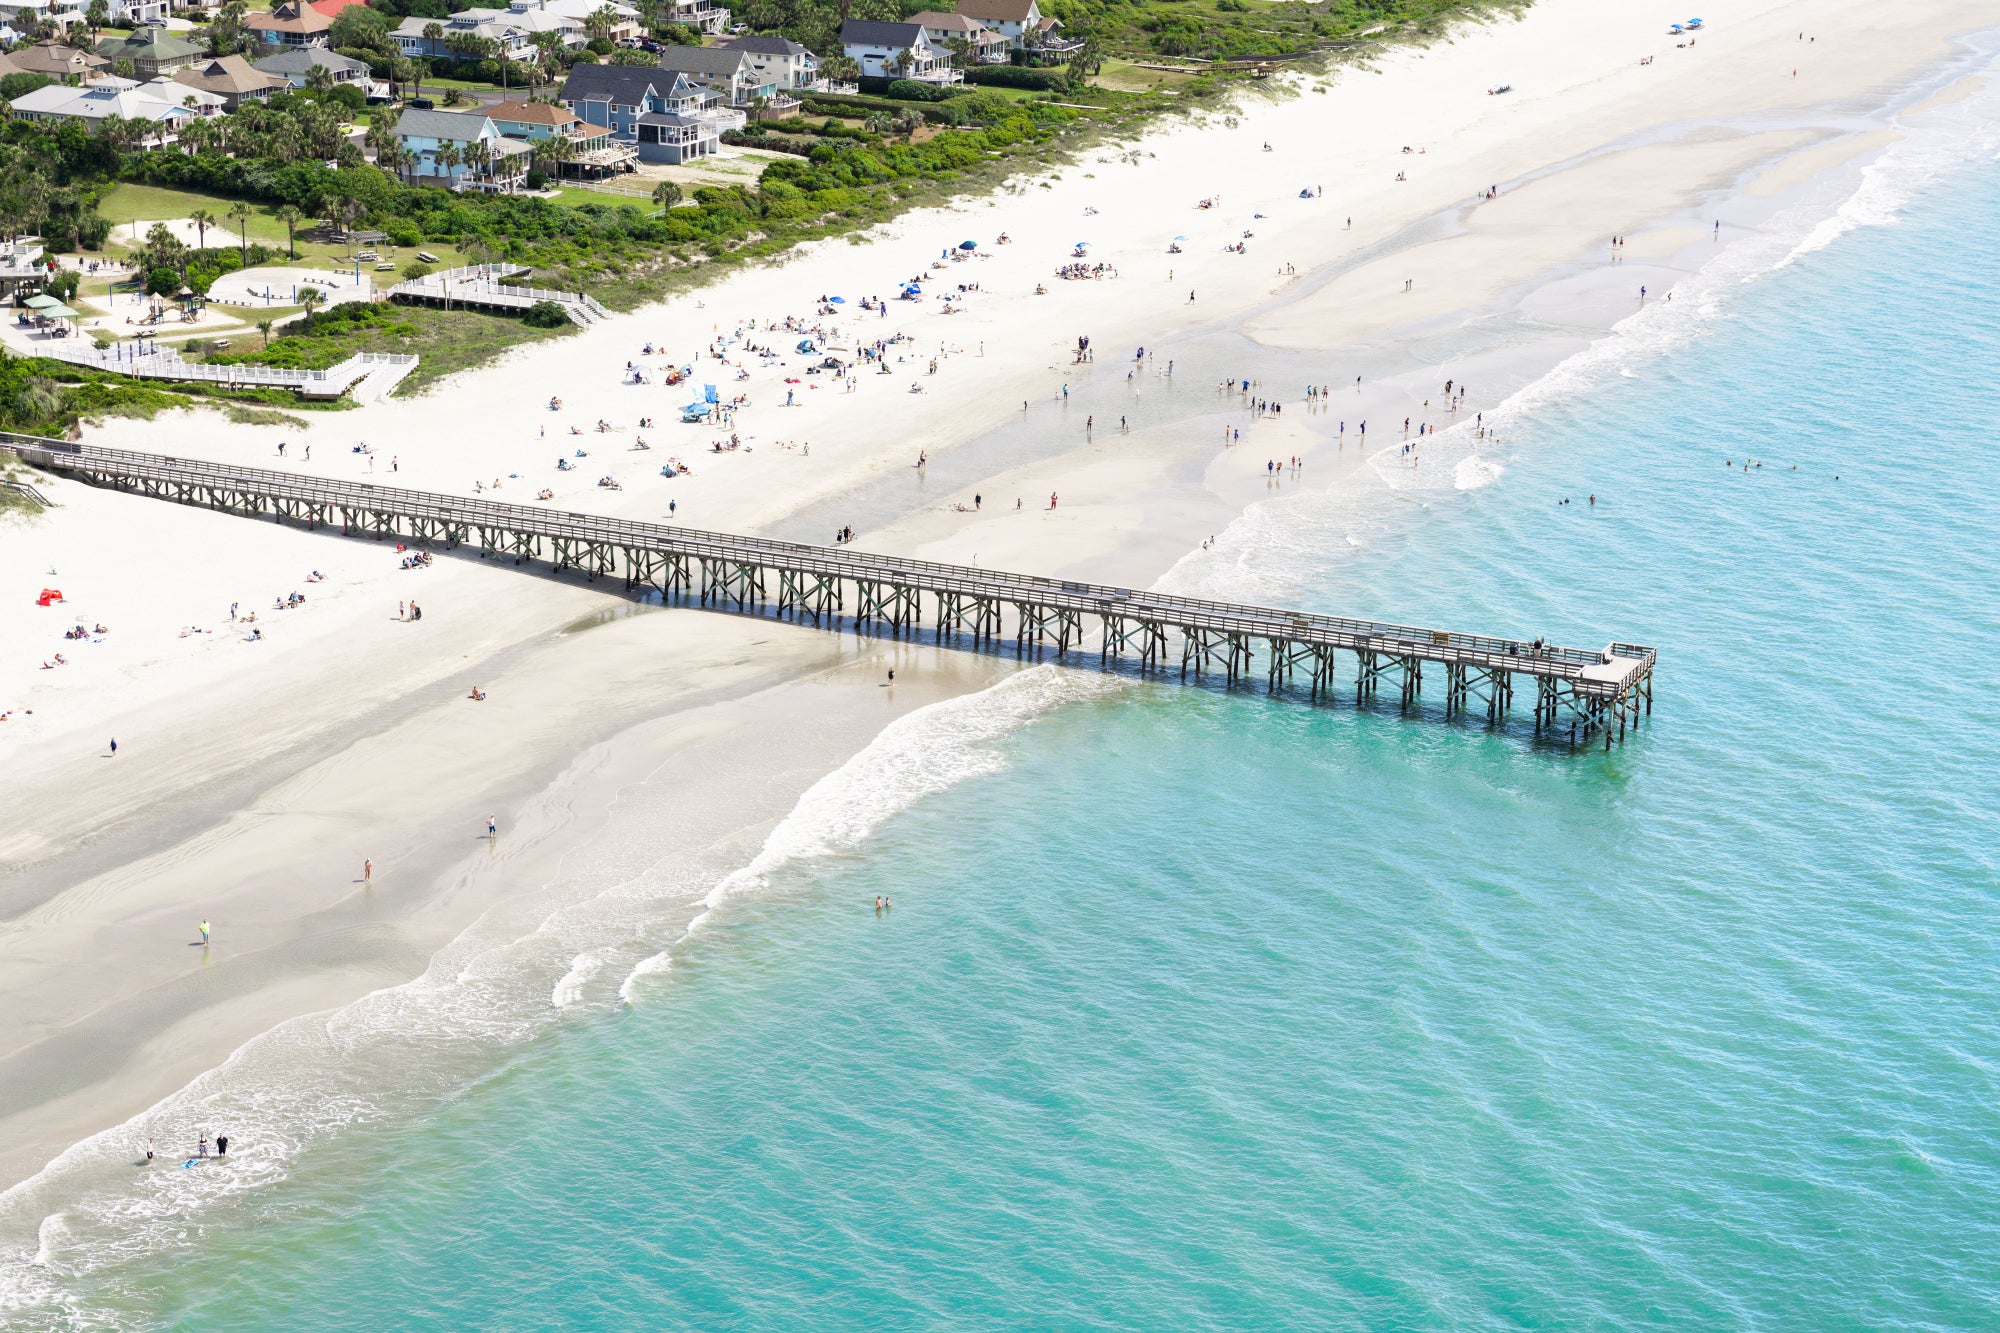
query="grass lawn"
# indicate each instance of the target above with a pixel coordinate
(1125, 77)
(154, 203)
(446, 341)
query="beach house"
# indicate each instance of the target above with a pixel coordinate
(507, 31)
(704, 15)
(730, 73)
(152, 52)
(296, 66)
(983, 45)
(588, 150)
(656, 112)
(156, 109)
(290, 23)
(232, 79)
(1024, 26)
(460, 150)
(777, 60)
(28, 16)
(57, 61)
(896, 51)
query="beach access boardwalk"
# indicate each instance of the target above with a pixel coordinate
(481, 286)
(162, 362)
(1587, 694)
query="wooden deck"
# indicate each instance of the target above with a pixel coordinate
(1585, 694)
(483, 287)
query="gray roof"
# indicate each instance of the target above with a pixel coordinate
(302, 60)
(765, 46)
(861, 32)
(714, 62)
(625, 85)
(667, 118)
(149, 43)
(458, 125)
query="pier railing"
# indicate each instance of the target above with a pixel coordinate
(165, 363)
(1592, 691)
(480, 285)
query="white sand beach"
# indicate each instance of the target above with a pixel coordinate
(253, 777)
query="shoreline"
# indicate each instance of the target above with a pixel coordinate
(1187, 487)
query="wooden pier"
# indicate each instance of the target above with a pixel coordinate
(1584, 694)
(484, 287)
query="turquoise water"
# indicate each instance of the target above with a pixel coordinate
(1223, 1013)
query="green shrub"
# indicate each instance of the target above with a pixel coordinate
(1014, 76)
(20, 85)
(545, 315)
(910, 90)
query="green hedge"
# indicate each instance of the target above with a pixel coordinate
(1016, 76)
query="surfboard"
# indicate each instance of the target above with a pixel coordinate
(189, 1162)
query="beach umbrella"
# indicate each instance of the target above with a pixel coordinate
(968, 245)
(42, 302)
(836, 300)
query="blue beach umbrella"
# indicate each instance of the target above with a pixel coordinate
(968, 245)
(836, 300)
(708, 393)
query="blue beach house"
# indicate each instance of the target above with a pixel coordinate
(657, 112)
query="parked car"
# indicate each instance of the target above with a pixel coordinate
(422, 104)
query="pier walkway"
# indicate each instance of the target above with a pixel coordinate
(481, 287)
(1589, 694)
(163, 362)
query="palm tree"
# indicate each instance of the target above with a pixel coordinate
(241, 212)
(291, 217)
(601, 20)
(264, 327)
(666, 194)
(479, 157)
(433, 34)
(449, 157)
(319, 78)
(312, 298)
(201, 218)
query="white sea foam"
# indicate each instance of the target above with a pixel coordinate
(918, 755)
(570, 989)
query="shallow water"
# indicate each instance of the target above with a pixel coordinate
(1223, 1012)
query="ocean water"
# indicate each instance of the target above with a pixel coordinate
(1212, 1011)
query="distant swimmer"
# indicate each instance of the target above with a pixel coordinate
(149, 1152)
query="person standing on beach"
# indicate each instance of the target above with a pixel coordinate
(114, 747)
(367, 870)
(149, 1150)
(492, 827)
(222, 1145)
(204, 934)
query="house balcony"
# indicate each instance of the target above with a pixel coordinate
(703, 14)
(941, 74)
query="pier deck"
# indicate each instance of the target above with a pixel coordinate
(1589, 694)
